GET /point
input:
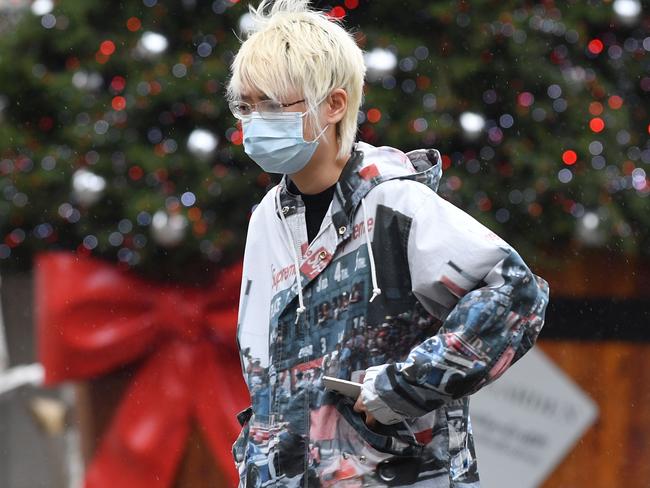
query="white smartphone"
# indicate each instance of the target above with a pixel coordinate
(344, 387)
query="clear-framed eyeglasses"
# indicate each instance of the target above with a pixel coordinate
(267, 109)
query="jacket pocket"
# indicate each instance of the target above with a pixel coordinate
(384, 454)
(388, 439)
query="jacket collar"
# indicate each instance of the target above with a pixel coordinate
(367, 167)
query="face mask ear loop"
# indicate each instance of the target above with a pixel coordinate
(321, 133)
(324, 129)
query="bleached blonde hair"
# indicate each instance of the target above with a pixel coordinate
(291, 47)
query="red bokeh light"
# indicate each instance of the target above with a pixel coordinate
(615, 102)
(595, 46)
(374, 115)
(135, 173)
(628, 167)
(597, 124)
(569, 157)
(101, 58)
(446, 161)
(118, 103)
(118, 83)
(133, 24)
(194, 214)
(237, 138)
(337, 12)
(72, 63)
(525, 99)
(107, 48)
(595, 108)
(200, 228)
(485, 204)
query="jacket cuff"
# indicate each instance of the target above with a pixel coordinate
(375, 405)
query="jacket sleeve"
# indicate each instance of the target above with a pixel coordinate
(492, 305)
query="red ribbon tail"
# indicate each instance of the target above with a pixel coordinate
(146, 439)
(221, 394)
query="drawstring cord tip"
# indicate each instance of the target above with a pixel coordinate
(375, 293)
(299, 312)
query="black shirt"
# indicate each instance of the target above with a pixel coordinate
(315, 207)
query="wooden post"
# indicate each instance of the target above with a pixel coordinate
(588, 274)
(615, 374)
(615, 450)
(97, 401)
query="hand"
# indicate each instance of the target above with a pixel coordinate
(361, 408)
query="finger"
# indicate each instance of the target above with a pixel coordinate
(370, 420)
(359, 406)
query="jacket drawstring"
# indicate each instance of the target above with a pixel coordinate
(376, 291)
(296, 263)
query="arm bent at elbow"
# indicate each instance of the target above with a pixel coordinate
(489, 329)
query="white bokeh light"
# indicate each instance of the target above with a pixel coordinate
(380, 62)
(627, 11)
(152, 44)
(472, 123)
(246, 23)
(42, 7)
(87, 187)
(589, 229)
(168, 230)
(202, 143)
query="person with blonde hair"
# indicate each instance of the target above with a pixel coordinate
(350, 217)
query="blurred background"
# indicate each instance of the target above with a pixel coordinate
(125, 195)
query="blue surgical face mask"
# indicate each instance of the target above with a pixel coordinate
(277, 144)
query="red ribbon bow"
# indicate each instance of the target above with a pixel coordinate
(93, 317)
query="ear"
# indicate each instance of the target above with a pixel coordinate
(336, 106)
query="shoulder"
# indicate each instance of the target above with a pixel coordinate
(260, 217)
(427, 210)
(267, 204)
(269, 197)
(405, 195)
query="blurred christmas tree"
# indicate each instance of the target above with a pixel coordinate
(540, 109)
(115, 138)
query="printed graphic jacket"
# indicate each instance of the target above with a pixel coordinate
(400, 291)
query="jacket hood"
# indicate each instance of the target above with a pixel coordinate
(368, 167)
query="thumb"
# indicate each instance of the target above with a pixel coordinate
(359, 406)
